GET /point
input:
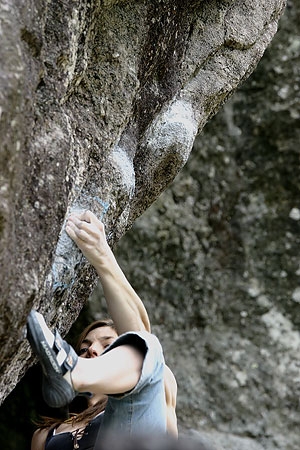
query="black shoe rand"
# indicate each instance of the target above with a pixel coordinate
(57, 391)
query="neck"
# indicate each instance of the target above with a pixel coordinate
(95, 399)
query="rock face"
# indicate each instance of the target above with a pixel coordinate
(100, 105)
(216, 260)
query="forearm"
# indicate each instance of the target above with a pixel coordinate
(124, 305)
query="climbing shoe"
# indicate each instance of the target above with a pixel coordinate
(57, 359)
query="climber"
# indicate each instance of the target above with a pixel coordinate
(129, 315)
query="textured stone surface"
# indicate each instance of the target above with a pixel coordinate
(216, 259)
(100, 105)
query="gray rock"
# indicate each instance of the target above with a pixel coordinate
(216, 260)
(100, 104)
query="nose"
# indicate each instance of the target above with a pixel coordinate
(93, 351)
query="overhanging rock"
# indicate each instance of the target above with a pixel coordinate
(100, 105)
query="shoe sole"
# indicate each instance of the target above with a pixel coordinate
(57, 392)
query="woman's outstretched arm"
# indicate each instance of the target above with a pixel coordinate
(124, 305)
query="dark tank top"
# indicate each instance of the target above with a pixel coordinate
(72, 440)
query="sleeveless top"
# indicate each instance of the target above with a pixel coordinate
(141, 410)
(82, 439)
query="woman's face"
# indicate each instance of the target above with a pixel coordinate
(96, 342)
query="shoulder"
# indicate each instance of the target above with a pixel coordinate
(39, 437)
(142, 340)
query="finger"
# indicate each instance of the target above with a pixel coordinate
(94, 224)
(70, 232)
(89, 216)
(87, 222)
(77, 221)
(86, 216)
(76, 233)
(77, 213)
(80, 214)
(74, 225)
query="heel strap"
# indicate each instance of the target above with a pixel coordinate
(66, 355)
